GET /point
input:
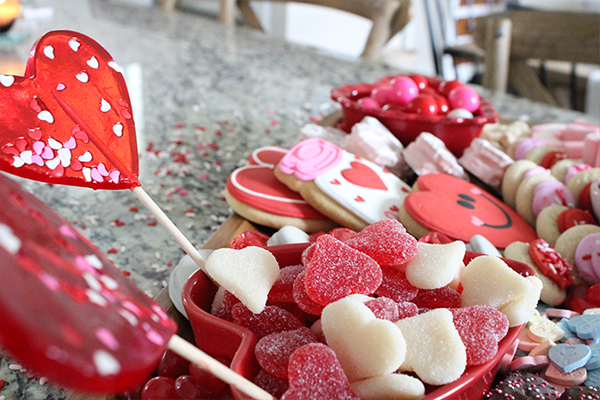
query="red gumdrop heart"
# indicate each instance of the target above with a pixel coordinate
(386, 242)
(70, 84)
(315, 373)
(249, 238)
(384, 308)
(304, 302)
(395, 286)
(443, 297)
(273, 351)
(225, 308)
(337, 270)
(480, 328)
(188, 387)
(407, 309)
(282, 290)
(159, 388)
(276, 387)
(271, 320)
(173, 365)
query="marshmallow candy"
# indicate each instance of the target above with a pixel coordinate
(435, 265)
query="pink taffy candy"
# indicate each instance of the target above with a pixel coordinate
(587, 258)
(464, 97)
(67, 312)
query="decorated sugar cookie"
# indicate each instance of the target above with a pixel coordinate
(349, 189)
(459, 209)
(253, 192)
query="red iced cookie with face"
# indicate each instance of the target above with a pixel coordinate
(459, 209)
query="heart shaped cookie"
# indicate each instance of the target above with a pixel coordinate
(69, 119)
(365, 346)
(248, 274)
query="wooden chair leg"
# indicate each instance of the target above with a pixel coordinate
(250, 18)
(227, 12)
(497, 58)
(380, 32)
(168, 5)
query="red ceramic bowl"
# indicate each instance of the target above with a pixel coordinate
(456, 133)
(220, 338)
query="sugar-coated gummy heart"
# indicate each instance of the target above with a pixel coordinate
(188, 387)
(435, 265)
(315, 373)
(337, 270)
(273, 351)
(386, 242)
(248, 274)
(489, 281)
(364, 345)
(69, 314)
(390, 386)
(68, 120)
(302, 299)
(480, 328)
(395, 286)
(384, 308)
(459, 209)
(223, 304)
(276, 387)
(434, 349)
(443, 297)
(283, 288)
(271, 319)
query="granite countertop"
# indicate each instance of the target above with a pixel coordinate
(204, 96)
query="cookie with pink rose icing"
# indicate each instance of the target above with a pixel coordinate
(254, 193)
(460, 209)
(350, 190)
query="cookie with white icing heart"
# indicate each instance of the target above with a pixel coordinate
(253, 192)
(350, 190)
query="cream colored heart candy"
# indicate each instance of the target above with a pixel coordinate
(365, 345)
(434, 349)
(435, 265)
(248, 274)
(389, 387)
(489, 281)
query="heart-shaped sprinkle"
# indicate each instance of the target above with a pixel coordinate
(60, 86)
(45, 116)
(85, 157)
(248, 274)
(568, 358)
(96, 175)
(7, 80)
(52, 164)
(47, 154)
(359, 199)
(26, 156)
(104, 106)
(54, 144)
(337, 270)
(74, 44)
(364, 345)
(70, 144)
(315, 373)
(114, 176)
(82, 77)
(102, 169)
(118, 129)
(49, 52)
(93, 62)
(115, 66)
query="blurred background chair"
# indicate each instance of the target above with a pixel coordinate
(388, 17)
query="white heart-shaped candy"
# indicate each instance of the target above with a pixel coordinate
(7, 80)
(391, 386)
(288, 234)
(434, 349)
(248, 274)
(365, 346)
(435, 265)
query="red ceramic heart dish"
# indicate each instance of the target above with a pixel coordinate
(68, 120)
(66, 311)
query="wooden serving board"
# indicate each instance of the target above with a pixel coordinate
(231, 228)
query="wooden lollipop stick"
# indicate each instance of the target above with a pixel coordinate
(194, 355)
(169, 225)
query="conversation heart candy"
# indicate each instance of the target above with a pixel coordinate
(555, 375)
(315, 373)
(386, 242)
(273, 351)
(585, 325)
(568, 358)
(391, 386)
(271, 319)
(594, 361)
(480, 328)
(435, 265)
(364, 345)
(543, 329)
(438, 357)
(489, 281)
(336, 270)
(248, 274)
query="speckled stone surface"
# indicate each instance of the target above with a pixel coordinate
(206, 96)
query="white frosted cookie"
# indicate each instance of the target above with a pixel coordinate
(560, 168)
(567, 242)
(581, 180)
(551, 293)
(538, 153)
(546, 223)
(524, 197)
(512, 178)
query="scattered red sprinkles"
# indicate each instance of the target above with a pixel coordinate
(150, 146)
(117, 222)
(1, 383)
(112, 250)
(134, 209)
(152, 223)
(126, 273)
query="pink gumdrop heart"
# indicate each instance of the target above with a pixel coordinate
(386, 242)
(315, 373)
(273, 351)
(480, 328)
(337, 270)
(464, 97)
(271, 320)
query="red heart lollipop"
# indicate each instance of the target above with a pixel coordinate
(69, 120)
(69, 314)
